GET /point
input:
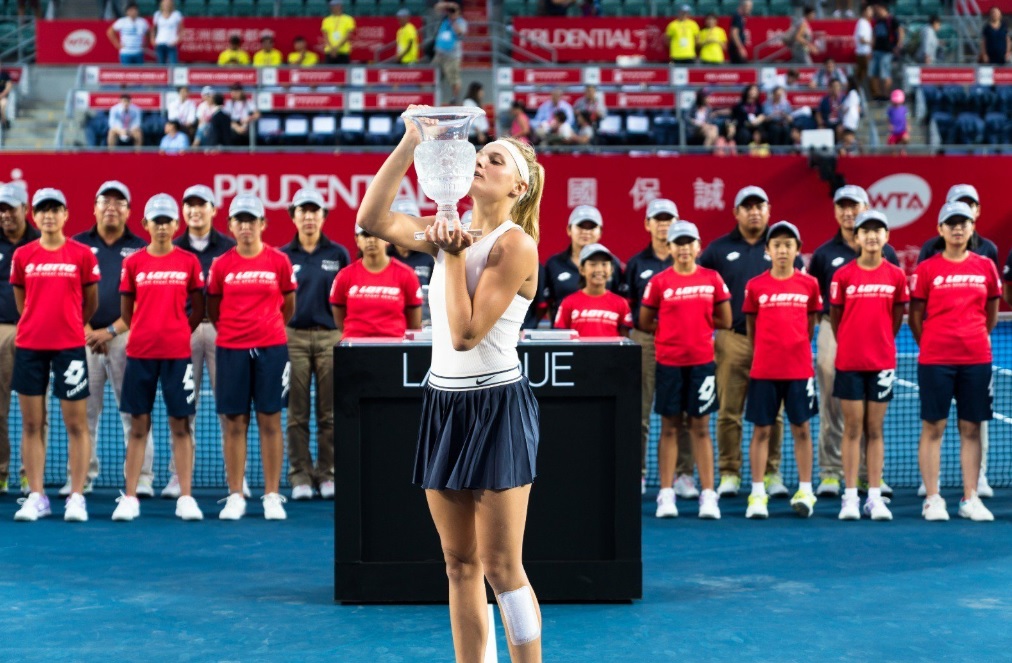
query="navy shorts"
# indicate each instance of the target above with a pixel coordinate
(258, 376)
(874, 386)
(766, 396)
(969, 384)
(685, 389)
(69, 369)
(140, 384)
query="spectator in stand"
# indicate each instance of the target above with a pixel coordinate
(779, 116)
(448, 49)
(15, 232)
(899, 133)
(407, 38)
(593, 310)
(739, 33)
(556, 7)
(994, 42)
(788, 80)
(218, 132)
(593, 103)
(311, 340)
(800, 38)
(125, 124)
(127, 36)
(205, 110)
(712, 41)
(927, 51)
(338, 31)
(35, 6)
(562, 272)
(758, 146)
(475, 98)
(887, 43)
(184, 111)
(828, 73)
(702, 129)
(546, 112)
(844, 9)
(301, 56)
(242, 112)
(830, 115)
(174, 141)
(559, 131)
(6, 87)
(520, 126)
(863, 40)
(848, 144)
(681, 34)
(747, 115)
(234, 56)
(167, 25)
(851, 108)
(584, 129)
(267, 56)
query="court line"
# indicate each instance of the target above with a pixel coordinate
(913, 385)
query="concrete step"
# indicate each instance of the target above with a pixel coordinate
(34, 128)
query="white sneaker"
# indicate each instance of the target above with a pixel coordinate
(171, 490)
(127, 508)
(775, 486)
(803, 503)
(89, 485)
(975, 510)
(934, 508)
(187, 509)
(274, 506)
(33, 507)
(302, 492)
(245, 489)
(685, 487)
(76, 509)
(877, 510)
(757, 507)
(666, 504)
(850, 508)
(234, 509)
(145, 487)
(729, 485)
(984, 489)
(327, 490)
(708, 508)
(828, 487)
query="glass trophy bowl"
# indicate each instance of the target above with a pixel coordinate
(445, 159)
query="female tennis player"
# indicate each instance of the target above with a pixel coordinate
(953, 309)
(867, 298)
(683, 305)
(479, 431)
(55, 288)
(250, 299)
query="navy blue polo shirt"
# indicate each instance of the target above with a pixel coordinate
(110, 262)
(979, 245)
(419, 261)
(738, 262)
(833, 255)
(315, 273)
(642, 267)
(217, 245)
(562, 278)
(8, 308)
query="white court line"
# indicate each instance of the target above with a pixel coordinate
(491, 648)
(997, 415)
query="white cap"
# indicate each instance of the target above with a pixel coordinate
(206, 90)
(403, 11)
(682, 229)
(201, 191)
(359, 229)
(11, 195)
(954, 209)
(43, 195)
(406, 206)
(308, 197)
(662, 206)
(750, 192)
(593, 249)
(586, 213)
(114, 185)
(851, 192)
(871, 215)
(784, 225)
(246, 203)
(961, 191)
(161, 205)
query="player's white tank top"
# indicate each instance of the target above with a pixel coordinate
(494, 360)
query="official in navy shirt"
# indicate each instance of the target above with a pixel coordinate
(562, 272)
(642, 267)
(1007, 277)
(848, 202)
(106, 334)
(417, 260)
(15, 232)
(312, 336)
(738, 257)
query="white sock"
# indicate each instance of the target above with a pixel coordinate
(758, 489)
(805, 486)
(875, 493)
(667, 492)
(850, 493)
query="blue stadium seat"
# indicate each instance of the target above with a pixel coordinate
(352, 131)
(323, 130)
(152, 127)
(995, 125)
(666, 129)
(969, 129)
(609, 130)
(96, 130)
(945, 122)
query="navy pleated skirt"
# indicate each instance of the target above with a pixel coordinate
(478, 438)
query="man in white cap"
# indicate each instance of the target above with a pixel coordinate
(312, 336)
(562, 271)
(848, 202)
(738, 257)
(15, 231)
(106, 334)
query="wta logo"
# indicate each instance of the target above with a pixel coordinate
(903, 198)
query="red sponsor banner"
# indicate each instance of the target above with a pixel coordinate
(604, 39)
(540, 76)
(948, 75)
(651, 100)
(800, 98)
(805, 74)
(388, 100)
(635, 76)
(304, 101)
(909, 190)
(202, 39)
(219, 76)
(304, 76)
(146, 101)
(1002, 76)
(139, 76)
(728, 98)
(396, 76)
(710, 76)
(535, 99)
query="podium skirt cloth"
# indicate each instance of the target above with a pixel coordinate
(477, 438)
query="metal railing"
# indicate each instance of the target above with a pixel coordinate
(17, 39)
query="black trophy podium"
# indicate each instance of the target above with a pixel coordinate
(582, 540)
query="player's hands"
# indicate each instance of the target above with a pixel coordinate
(96, 338)
(452, 240)
(412, 136)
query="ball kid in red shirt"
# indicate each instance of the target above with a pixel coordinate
(781, 306)
(593, 310)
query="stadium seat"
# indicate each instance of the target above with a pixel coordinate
(609, 130)
(969, 129)
(666, 129)
(316, 8)
(265, 8)
(416, 7)
(780, 8)
(152, 127)
(323, 130)
(363, 8)
(96, 129)
(268, 130)
(379, 130)
(387, 7)
(352, 130)
(929, 7)
(635, 8)
(762, 8)
(994, 124)
(219, 8)
(244, 8)
(906, 8)
(293, 8)
(945, 124)
(704, 7)
(637, 129)
(296, 130)
(611, 7)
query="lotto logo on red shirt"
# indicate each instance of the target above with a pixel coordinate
(374, 291)
(253, 277)
(53, 269)
(783, 299)
(588, 315)
(868, 290)
(689, 291)
(161, 278)
(957, 280)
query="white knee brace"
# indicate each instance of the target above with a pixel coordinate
(520, 615)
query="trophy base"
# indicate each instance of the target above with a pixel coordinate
(420, 236)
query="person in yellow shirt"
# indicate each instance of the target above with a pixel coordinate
(302, 56)
(338, 30)
(267, 56)
(681, 34)
(234, 56)
(407, 39)
(712, 42)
